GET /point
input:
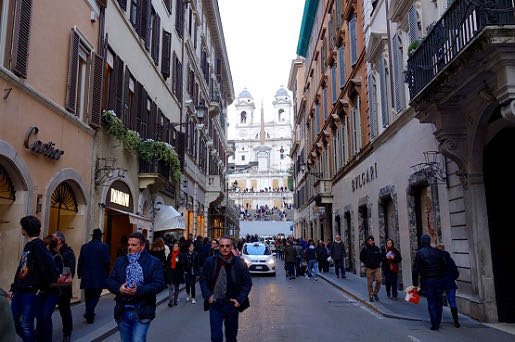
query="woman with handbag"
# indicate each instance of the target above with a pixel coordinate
(390, 264)
(174, 274)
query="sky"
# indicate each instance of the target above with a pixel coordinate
(261, 38)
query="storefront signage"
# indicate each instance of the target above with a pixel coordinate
(120, 198)
(37, 146)
(364, 178)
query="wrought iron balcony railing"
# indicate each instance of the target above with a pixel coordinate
(154, 166)
(459, 25)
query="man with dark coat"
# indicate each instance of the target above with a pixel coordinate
(371, 256)
(337, 252)
(290, 255)
(65, 295)
(136, 279)
(92, 270)
(225, 283)
(430, 264)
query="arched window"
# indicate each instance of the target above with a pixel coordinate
(243, 117)
(6, 186)
(280, 116)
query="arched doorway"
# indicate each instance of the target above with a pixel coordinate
(63, 208)
(500, 198)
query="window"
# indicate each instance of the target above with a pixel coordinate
(134, 13)
(397, 73)
(179, 18)
(242, 157)
(345, 145)
(413, 23)
(384, 77)
(243, 117)
(324, 96)
(372, 104)
(156, 31)
(282, 156)
(18, 36)
(165, 54)
(323, 56)
(195, 35)
(356, 127)
(317, 118)
(341, 65)
(123, 4)
(353, 41)
(333, 84)
(280, 116)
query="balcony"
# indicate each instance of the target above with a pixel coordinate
(215, 189)
(215, 102)
(323, 192)
(153, 173)
(458, 28)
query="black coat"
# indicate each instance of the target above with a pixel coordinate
(239, 281)
(190, 263)
(371, 256)
(337, 251)
(160, 255)
(450, 273)
(290, 254)
(68, 257)
(93, 266)
(430, 263)
(321, 253)
(145, 297)
(396, 259)
(174, 276)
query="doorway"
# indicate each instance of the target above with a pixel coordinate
(348, 242)
(117, 229)
(500, 200)
(63, 208)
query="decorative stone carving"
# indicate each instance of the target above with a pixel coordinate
(508, 111)
(452, 144)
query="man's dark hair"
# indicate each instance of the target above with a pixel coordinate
(370, 237)
(137, 235)
(31, 225)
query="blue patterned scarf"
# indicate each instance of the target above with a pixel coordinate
(134, 270)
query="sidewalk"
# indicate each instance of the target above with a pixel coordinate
(356, 287)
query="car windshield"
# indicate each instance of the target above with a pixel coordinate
(256, 250)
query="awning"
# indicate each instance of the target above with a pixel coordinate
(135, 219)
(167, 218)
(308, 18)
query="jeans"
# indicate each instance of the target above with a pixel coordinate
(132, 329)
(297, 266)
(451, 298)
(189, 279)
(223, 313)
(312, 266)
(391, 283)
(339, 265)
(91, 300)
(25, 307)
(290, 269)
(434, 291)
(65, 311)
(44, 326)
(173, 293)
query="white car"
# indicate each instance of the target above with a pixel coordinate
(259, 258)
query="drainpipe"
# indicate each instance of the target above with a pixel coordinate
(390, 52)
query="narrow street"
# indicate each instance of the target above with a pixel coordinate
(306, 310)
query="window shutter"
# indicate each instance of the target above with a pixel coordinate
(358, 124)
(152, 122)
(21, 37)
(341, 65)
(372, 105)
(123, 4)
(412, 23)
(146, 22)
(333, 84)
(179, 80)
(102, 3)
(397, 69)
(384, 94)
(126, 114)
(71, 96)
(174, 74)
(97, 82)
(143, 112)
(135, 106)
(324, 95)
(165, 55)
(119, 89)
(323, 53)
(179, 18)
(156, 30)
(353, 41)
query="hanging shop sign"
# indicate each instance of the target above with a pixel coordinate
(365, 177)
(37, 146)
(119, 197)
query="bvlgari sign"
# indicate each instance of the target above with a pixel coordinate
(37, 146)
(364, 178)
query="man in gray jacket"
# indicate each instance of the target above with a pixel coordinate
(337, 252)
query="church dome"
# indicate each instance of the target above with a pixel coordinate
(245, 94)
(281, 92)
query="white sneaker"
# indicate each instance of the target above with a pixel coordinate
(187, 298)
(193, 301)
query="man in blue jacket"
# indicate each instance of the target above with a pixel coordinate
(135, 280)
(225, 283)
(93, 269)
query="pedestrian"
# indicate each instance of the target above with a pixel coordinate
(290, 255)
(311, 259)
(157, 250)
(65, 292)
(92, 270)
(7, 322)
(225, 284)
(450, 275)
(49, 297)
(298, 258)
(322, 256)
(135, 280)
(190, 262)
(214, 248)
(390, 265)
(174, 274)
(337, 253)
(234, 250)
(430, 265)
(281, 249)
(371, 256)
(34, 275)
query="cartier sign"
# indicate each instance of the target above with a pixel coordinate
(364, 178)
(37, 146)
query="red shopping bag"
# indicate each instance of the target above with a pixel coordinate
(412, 297)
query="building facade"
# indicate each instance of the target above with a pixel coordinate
(48, 115)
(424, 157)
(260, 166)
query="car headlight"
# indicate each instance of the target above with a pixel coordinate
(271, 261)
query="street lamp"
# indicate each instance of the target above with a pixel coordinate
(318, 175)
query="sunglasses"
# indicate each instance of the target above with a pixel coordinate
(225, 246)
